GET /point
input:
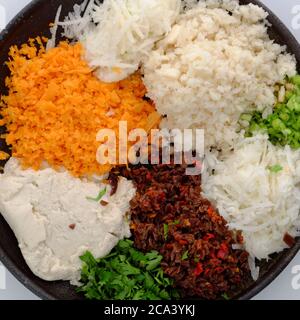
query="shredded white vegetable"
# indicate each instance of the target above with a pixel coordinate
(118, 35)
(51, 42)
(256, 189)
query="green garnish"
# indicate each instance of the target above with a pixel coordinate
(166, 231)
(185, 256)
(246, 117)
(275, 169)
(283, 125)
(125, 274)
(176, 222)
(225, 296)
(99, 197)
(296, 80)
(196, 260)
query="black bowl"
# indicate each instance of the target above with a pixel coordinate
(33, 21)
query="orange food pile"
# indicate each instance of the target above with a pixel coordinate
(3, 155)
(56, 106)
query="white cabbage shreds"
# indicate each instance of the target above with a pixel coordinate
(122, 33)
(213, 66)
(256, 190)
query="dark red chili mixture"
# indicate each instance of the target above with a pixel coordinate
(169, 215)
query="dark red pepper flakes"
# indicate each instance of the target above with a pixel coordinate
(182, 242)
(221, 254)
(149, 176)
(72, 226)
(182, 202)
(114, 182)
(208, 237)
(198, 270)
(184, 190)
(104, 203)
(212, 254)
(223, 251)
(211, 211)
(239, 238)
(219, 269)
(206, 272)
(289, 240)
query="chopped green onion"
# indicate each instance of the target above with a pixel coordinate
(294, 103)
(254, 127)
(287, 132)
(284, 116)
(166, 231)
(288, 95)
(185, 256)
(275, 169)
(225, 296)
(246, 117)
(99, 197)
(278, 124)
(296, 80)
(283, 125)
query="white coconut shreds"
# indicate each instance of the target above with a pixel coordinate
(213, 66)
(118, 34)
(256, 189)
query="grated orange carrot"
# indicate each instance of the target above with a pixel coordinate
(56, 106)
(4, 155)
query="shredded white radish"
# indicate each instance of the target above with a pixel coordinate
(237, 247)
(117, 34)
(51, 42)
(256, 189)
(253, 268)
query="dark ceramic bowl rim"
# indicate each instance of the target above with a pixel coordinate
(254, 289)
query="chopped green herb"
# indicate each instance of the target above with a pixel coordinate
(125, 274)
(196, 260)
(283, 125)
(99, 197)
(275, 169)
(296, 80)
(225, 296)
(185, 256)
(176, 222)
(246, 117)
(288, 95)
(166, 231)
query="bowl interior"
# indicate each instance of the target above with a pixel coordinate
(34, 21)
